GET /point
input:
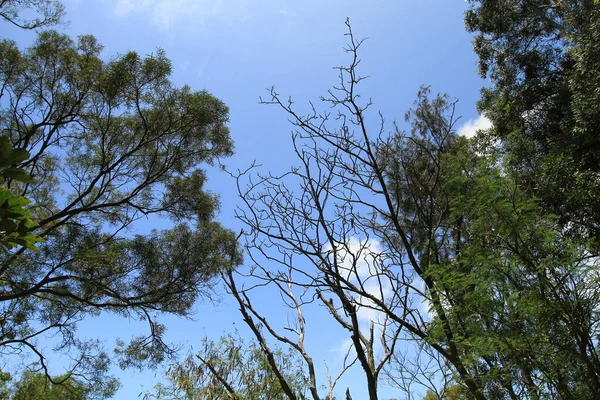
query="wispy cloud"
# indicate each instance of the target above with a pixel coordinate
(472, 126)
(164, 13)
(191, 13)
(184, 66)
(341, 348)
(202, 67)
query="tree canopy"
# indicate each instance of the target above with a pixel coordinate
(543, 58)
(40, 387)
(99, 145)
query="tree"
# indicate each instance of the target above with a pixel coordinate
(424, 242)
(543, 58)
(452, 393)
(110, 143)
(15, 221)
(343, 239)
(5, 379)
(232, 369)
(38, 386)
(47, 12)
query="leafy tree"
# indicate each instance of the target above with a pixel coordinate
(515, 276)
(47, 12)
(38, 386)
(543, 58)
(232, 369)
(110, 143)
(451, 393)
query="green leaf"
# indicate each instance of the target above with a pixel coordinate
(16, 156)
(5, 148)
(10, 156)
(7, 226)
(18, 174)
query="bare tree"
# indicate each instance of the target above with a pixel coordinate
(352, 227)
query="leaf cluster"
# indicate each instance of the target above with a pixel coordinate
(15, 220)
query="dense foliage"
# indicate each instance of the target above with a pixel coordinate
(38, 386)
(16, 224)
(543, 58)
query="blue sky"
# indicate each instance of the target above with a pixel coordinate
(237, 48)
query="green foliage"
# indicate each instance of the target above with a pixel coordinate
(543, 58)
(9, 157)
(512, 298)
(65, 387)
(510, 294)
(544, 62)
(515, 277)
(45, 12)
(232, 369)
(95, 146)
(5, 379)
(454, 392)
(15, 221)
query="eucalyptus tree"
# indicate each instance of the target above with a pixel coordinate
(111, 144)
(234, 369)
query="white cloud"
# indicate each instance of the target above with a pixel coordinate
(362, 264)
(470, 128)
(425, 304)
